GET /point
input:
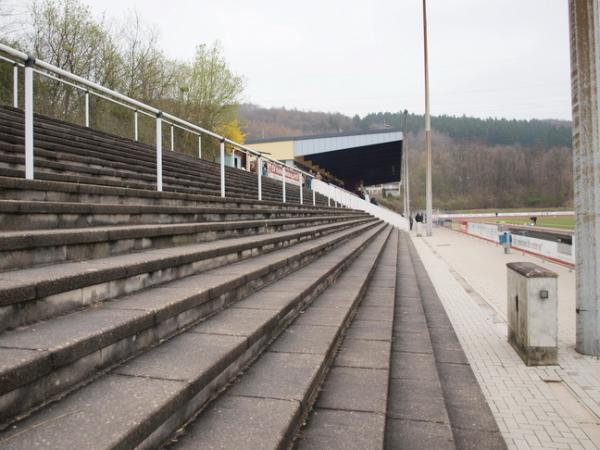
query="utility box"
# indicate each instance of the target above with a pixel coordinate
(533, 313)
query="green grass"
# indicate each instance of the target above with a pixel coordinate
(564, 222)
(505, 210)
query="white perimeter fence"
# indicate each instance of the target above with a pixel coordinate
(557, 249)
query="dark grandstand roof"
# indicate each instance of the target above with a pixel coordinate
(319, 136)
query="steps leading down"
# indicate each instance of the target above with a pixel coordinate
(76, 154)
(172, 373)
(96, 275)
(269, 403)
(131, 318)
(401, 379)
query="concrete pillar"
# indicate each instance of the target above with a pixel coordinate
(584, 24)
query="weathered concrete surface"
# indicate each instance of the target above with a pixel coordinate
(350, 410)
(242, 422)
(416, 410)
(348, 430)
(413, 435)
(291, 370)
(114, 410)
(284, 376)
(305, 339)
(355, 389)
(470, 418)
(584, 24)
(364, 354)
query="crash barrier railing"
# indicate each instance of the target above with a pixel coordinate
(467, 215)
(338, 196)
(31, 66)
(553, 245)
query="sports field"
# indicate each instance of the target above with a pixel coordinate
(565, 222)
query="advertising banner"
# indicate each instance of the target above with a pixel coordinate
(551, 249)
(276, 171)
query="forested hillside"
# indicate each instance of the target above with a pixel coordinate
(477, 163)
(259, 123)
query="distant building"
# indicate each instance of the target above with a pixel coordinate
(385, 190)
(351, 159)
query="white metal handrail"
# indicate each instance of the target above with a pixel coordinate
(30, 64)
(350, 200)
(100, 91)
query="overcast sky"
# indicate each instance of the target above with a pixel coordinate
(500, 58)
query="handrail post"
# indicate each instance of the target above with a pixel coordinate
(172, 138)
(283, 183)
(199, 146)
(29, 117)
(135, 125)
(222, 153)
(159, 185)
(87, 108)
(300, 176)
(15, 85)
(259, 174)
(312, 185)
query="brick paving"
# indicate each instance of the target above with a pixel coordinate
(535, 407)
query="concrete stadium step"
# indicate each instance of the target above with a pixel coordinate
(72, 149)
(34, 294)
(96, 146)
(58, 134)
(63, 172)
(350, 412)
(417, 416)
(23, 249)
(47, 358)
(55, 166)
(273, 397)
(39, 190)
(470, 418)
(28, 215)
(144, 401)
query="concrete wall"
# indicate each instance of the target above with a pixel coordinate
(281, 150)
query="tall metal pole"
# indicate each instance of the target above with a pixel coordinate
(159, 181)
(29, 118)
(407, 174)
(222, 155)
(403, 164)
(283, 184)
(15, 85)
(584, 25)
(428, 195)
(87, 108)
(259, 164)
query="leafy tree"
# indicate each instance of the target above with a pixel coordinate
(64, 33)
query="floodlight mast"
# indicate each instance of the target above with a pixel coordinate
(428, 195)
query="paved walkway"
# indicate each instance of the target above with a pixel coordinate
(549, 407)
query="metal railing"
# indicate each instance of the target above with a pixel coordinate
(337, 196)
(31, 65)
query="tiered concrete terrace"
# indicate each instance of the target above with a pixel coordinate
(135, 318)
